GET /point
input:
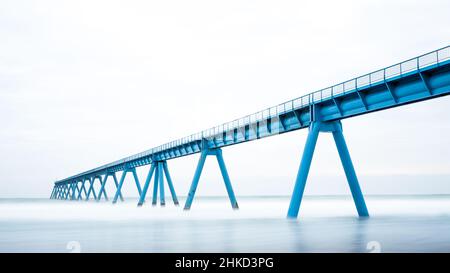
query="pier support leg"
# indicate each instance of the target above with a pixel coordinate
(82, 189)
(67, 191)
(117, 185)
(70, 190)
(155, 186)
(350, 173)
(303, 171)
(78, 196)
(63, 194)
(136, 180)
(334, 127)
(161, 185)
(53, 192)
(102, 188)
(119, 188)
(198, 172)
(122, 179)
(218, 153)
(158, 168)
(74, 190)
(91, 188)
(146, 185)
(226, 179)
(169, 182)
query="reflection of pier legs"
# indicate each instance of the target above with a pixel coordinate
(218, 153)
(159, 169)
(336, 129)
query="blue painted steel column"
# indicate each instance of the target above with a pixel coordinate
(80, 197)
(53, 192)
(88, 194)
(64, 191)
(91, 187)
(155, 186)
(74, 192)
(80, 189)
(67, 193)
(119, 188)
(147, 184)
(161, 184)
(352, 179)
(226, 178)
(58, 189)
(102, 188)
(196, 178)
(136, 179)
(117, 185)
(169, 182)
(84, 188)
(303, 170)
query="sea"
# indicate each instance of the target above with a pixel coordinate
(400, 223)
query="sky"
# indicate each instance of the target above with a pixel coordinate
(83, 83)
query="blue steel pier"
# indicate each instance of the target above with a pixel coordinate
(421, 78)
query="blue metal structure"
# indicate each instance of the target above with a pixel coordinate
(422, 78)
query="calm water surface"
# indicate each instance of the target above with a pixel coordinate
(326, 224)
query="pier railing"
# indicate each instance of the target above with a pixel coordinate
(401, 69)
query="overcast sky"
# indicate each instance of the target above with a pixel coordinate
(83, 83)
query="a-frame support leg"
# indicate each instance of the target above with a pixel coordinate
(302, 175)
(162, 199)
(74, 191)
(122, 179)
(67, 191)
(56, 192)
(91, 188)
(82, 189)
(102, 187)
(147, 184)
(303, 171)
(350, 173)
(53, 192)
(119, 188)
(198, 172)
(155, 186)
(158, 168)
(63, 194)
(218, 153)
(79, 189)
(169, 182)
(70, 192)
(117, 185)
(226, 179)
